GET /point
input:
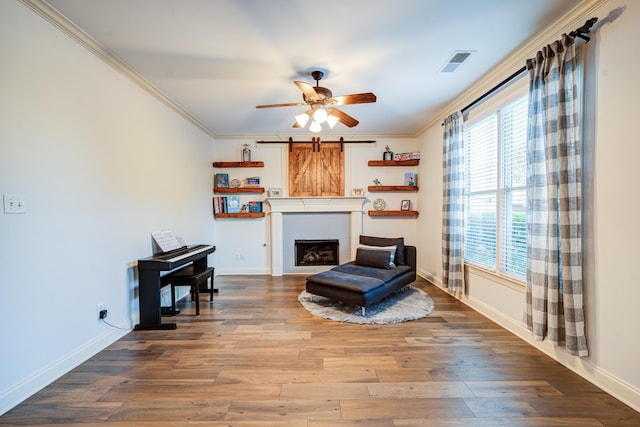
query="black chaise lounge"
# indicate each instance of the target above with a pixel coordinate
(382, 266)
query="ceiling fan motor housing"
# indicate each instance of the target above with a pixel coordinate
(322, 92)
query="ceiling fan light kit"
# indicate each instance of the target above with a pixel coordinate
(302, 119)
(315, 126)
(320, 115)
(322, 104)
(332, 120)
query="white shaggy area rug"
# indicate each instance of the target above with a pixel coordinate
(408, 303)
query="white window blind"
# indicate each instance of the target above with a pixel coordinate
(495, 190)
(513, 197)
(481, 167)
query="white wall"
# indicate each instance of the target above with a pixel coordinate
(243, 244)
(611, 176)
(101, 164)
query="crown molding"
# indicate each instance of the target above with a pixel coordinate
(51, 15)
(571, 20)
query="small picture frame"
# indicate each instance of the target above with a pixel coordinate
(405, 205)
(358, 192)
(222, 180)
(275, 192)
(410, 179)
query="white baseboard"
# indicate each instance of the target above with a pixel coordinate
(55, 370)
(222, 271)
(599, 377)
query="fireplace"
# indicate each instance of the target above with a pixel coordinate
(335, 208)
(317, 252)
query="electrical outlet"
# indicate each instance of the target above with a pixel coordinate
(99, 309)
(102, 314)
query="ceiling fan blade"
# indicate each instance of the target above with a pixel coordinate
(356, 98)
(291, 104)
(344, 118)
(308, 91)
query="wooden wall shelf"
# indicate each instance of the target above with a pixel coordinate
(240, 215)
(413, 162)
(238, 190)
(377, 188)
(258, 164)
(393, 213)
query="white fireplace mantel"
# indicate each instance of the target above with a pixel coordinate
(315, 204)
(283, 205)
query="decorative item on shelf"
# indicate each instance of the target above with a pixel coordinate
(377, 181)
(410, 179)
(275, 192)
(254, 206)
(246, 153)
(235, 183)
(252, 181)
(243, 208)
(387, 154)
(407, 156)
(357, 192)
(233, 204)
(222, 180)
(405, 205)
(379, 204)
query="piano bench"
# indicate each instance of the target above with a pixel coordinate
(191, 277)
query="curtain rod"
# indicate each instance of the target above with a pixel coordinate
(578, 32)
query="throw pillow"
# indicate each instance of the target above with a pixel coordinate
(391, 249)
(374, 258)
(387, 241)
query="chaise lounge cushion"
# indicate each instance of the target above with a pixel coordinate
(379, 273)
(348, 282)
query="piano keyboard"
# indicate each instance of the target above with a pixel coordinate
(178, 254)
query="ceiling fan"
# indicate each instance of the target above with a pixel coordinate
(323, 104)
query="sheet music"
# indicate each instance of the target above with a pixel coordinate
(165, 240)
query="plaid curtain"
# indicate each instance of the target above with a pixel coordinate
(453, 203)
(554, 299)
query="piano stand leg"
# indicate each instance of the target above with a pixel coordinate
(155, 327)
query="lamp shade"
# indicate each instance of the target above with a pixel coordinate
(302, 119)
(320, 115)
(315, 126)
(332, 120)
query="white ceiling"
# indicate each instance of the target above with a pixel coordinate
(218, 59)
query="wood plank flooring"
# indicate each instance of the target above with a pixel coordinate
(257, 358)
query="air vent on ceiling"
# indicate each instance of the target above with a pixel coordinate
(458, 57)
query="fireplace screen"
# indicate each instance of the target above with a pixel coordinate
(317, 252)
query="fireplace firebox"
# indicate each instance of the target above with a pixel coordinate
(317, 252)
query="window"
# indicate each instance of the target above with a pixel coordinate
(495, 190)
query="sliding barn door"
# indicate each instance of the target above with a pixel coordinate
(330, 172)
(302, 169)
(316, 169)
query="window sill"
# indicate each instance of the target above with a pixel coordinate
(510, 282)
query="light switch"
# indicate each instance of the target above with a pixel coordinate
(14, 204)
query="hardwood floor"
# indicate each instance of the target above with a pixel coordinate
(257, 358)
